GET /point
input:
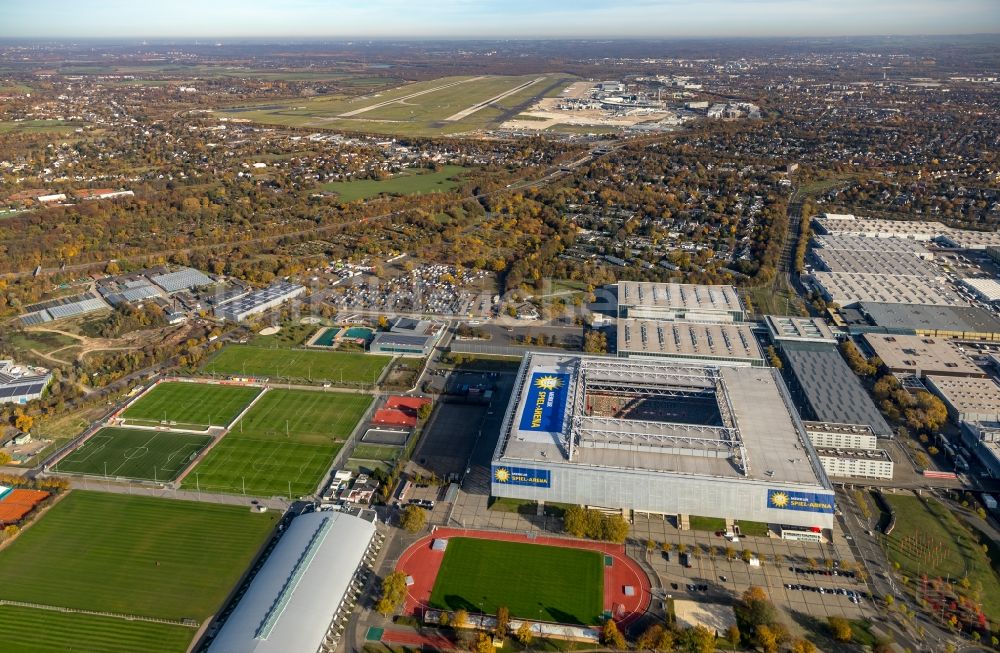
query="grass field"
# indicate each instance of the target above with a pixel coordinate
(148, 455)
(257, 457)
(298, 364)
(376, 452)
(37, 126)
(26, 630)
(567, 585)
(41, 341)
(411, 182)
(191, 404)
(929, 539)
(420, 108)
(144, 556)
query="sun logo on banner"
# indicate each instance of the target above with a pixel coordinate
(548, 382)
(501, 475)
(779, 500)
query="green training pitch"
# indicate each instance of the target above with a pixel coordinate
(411, 182)
(288, 437)
(196, 405)
(28, 630)
(298, 365)
(131, 453)
(143, 556)
(566, 585)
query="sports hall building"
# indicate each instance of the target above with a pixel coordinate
(660, 437)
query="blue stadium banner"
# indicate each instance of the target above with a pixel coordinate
(806, 501)
(507, 475)
(545, 407)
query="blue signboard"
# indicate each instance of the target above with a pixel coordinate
(530, 476)
(545, 406)
(806, 501)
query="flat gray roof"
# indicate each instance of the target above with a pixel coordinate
(848, 287)
(969, 395)
(886, 262)
(964, 319)
(293, 598)
(691, 338)
(687, 296)
(830, 389)
(921, 354)
(793, 327)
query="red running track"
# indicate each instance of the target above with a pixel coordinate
(422, 563)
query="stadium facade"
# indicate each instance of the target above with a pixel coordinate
(660, 437)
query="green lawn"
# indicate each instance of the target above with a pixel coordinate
(38, 126)
(259, 458)
(41, 341)
(145, 556)
(191, 404)
(711, 524)
(376, 452)
(930, 539)
(26, 630)
(307, 365)
(131, 453)
(566, 585)
(410, 182)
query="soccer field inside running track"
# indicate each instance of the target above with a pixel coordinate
(133, 453)
(288, 438)
(143, 556)
(303, 365)
(563, 585)
(190, 405)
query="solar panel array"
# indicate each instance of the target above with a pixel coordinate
(19, 390)
(79, 305)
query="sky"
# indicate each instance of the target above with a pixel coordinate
(474, 19)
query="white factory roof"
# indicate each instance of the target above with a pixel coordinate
(978, 398)
(852, 243)
(986, 289)
(796, 328)
(832, 223)
(883, 262)
(923, 354)
(687, 296)
(965, 239)
(687, 338)
(847, 288)
(291, 601)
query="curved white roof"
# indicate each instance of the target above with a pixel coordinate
(290, 603)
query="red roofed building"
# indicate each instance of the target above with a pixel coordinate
(394, 417)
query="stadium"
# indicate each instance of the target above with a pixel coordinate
(660, 438)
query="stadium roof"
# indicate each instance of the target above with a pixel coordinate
(293, 598)
(918, 317)
(830, 389)
(758, 435)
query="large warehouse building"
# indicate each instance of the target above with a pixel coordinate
(20, 384)
(656, 437)
(679, 301)
(304, 588)
(721, 344)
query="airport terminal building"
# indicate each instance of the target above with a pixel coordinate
(660, 437)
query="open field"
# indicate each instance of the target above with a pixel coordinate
(43, 342)
(383, 452)
(27, 630)
(143, 556)
(566, 585)
(191, 404)
(447, 105)
(297, 364)
(38, 127)
(410, 182)
(147, 455)
(929, 539)
(284, 444)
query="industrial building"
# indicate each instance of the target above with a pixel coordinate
(408, 337)
(306, 589)
(966, 322)
(790, 328)
(259, 301)
(656, 437)
(967, 399)
(921, 355)
(20, 384)
(891, 245)
(65, 307)
(864, 262)
(825, 435)
(721, 344)
(856, 463)
(846, 288)
(846, 224)
(826, 389)
(966, 239)
(982, 439)
(679, 301)
(986, 290)
(182, 279)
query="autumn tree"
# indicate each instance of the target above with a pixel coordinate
(840, 628)
(611, 636)
(524, 634)
(503, 621)
(413, 519)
